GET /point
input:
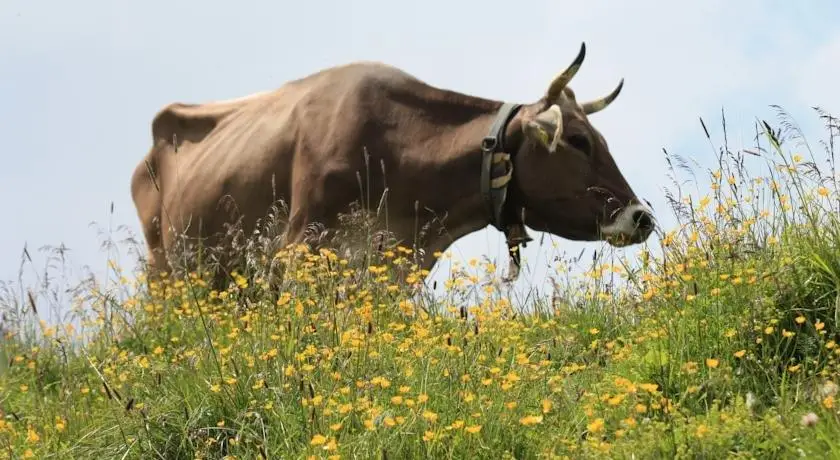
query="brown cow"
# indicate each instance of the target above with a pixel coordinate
(475, 161)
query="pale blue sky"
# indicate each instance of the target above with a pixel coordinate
(80, 82)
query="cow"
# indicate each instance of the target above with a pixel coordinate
(474, 160)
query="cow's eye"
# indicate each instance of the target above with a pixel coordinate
(581, 143)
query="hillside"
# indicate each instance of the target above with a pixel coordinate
(723, 343)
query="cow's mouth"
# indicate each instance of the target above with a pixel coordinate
(632, 225)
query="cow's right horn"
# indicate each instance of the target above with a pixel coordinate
(597, 105)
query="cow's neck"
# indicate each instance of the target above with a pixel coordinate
(464, 210)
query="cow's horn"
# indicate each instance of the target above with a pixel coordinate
(600, 104)
(564, 78)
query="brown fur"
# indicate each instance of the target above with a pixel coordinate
(308, 137)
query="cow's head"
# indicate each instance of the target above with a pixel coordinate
(569, 183)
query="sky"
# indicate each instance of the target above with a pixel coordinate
(80, 82)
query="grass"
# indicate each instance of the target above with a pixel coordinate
(722, 343)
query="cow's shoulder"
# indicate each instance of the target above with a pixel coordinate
(364, 77)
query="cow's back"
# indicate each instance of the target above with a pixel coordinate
(218, 161)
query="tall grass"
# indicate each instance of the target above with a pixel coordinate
(722, 343)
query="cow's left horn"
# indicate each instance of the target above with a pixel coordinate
(600, 104)
(564, 78)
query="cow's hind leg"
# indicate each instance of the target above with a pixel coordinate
(147, 200)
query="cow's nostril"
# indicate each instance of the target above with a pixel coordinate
(643, 220)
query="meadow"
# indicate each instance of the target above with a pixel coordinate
(723, 343)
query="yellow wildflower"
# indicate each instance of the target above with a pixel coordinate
(649, 387)
(531, 420)
(32, 436)
(546, 406)
(596, 426)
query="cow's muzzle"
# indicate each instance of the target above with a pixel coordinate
(633, 224)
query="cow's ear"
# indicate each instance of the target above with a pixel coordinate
(546, 128)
